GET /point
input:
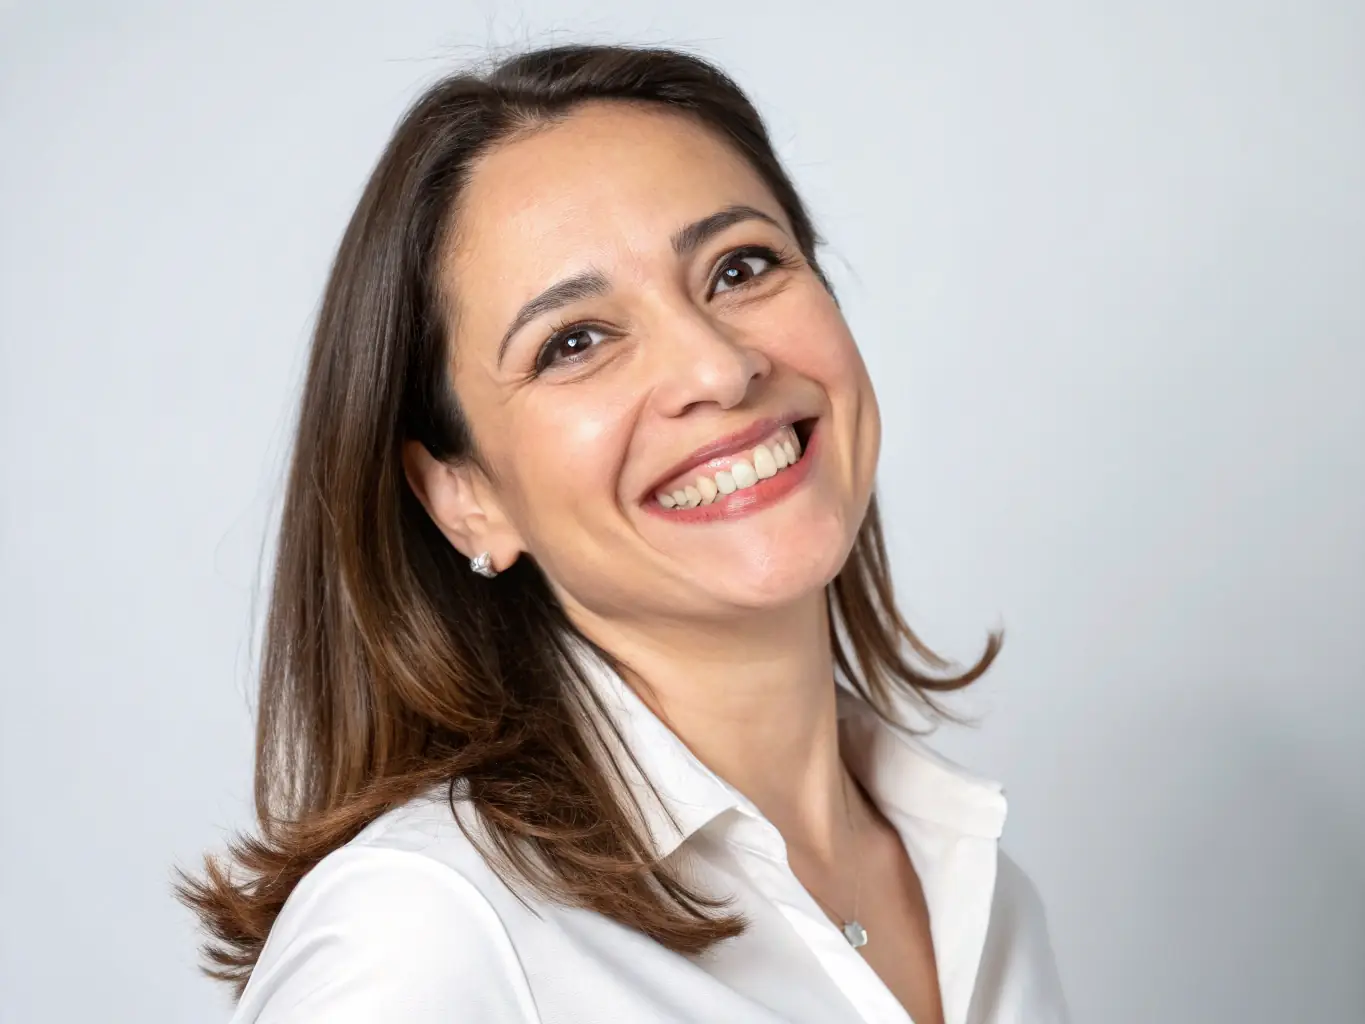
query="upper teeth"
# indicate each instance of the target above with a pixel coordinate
(764, 461)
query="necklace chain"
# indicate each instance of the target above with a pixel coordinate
(857, 867)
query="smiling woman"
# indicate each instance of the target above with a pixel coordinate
(584, 694)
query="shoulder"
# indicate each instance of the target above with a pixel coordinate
(1018, 966)
(390, 926)
(1016, 895)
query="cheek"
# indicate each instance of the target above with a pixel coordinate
(814, 340)
(566, 448)
(823, 350)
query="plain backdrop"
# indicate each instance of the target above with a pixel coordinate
(1106, 262)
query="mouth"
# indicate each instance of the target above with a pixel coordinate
(736, 475)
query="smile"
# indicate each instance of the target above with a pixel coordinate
(740, 482)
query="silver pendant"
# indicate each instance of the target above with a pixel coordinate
(855, 933)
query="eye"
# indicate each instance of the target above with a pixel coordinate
(568, 344)
(743, 265)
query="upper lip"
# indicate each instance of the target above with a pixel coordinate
(727, 445)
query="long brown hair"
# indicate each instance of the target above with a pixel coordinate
(387, 667)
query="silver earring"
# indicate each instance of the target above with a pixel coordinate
(483, 564)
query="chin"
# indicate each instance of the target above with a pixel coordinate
(773, 577)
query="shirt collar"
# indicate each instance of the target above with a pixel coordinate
(900, 772)
(689, 795)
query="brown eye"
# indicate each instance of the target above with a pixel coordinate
(568, 345)
(743, 266)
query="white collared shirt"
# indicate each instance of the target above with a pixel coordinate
(408, 924)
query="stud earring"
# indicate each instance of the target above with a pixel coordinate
(483, 564)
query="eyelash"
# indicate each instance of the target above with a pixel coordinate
(565, 329)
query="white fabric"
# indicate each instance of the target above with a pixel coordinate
(407, 924)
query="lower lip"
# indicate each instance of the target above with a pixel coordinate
(750, 500)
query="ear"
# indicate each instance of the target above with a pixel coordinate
(462, 503)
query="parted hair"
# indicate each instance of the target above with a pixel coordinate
(387, 668)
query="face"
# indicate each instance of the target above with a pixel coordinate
(675, 419)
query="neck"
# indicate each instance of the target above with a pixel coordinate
(755, 702)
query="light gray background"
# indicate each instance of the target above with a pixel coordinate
(1106, 261)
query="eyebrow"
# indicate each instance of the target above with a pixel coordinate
(686, 240)
(571, 289)
(591, 282)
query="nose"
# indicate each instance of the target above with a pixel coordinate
(700, 360)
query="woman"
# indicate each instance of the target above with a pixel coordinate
(582, 673)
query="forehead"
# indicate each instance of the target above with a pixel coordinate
(610, 180)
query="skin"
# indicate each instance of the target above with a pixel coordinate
(725, 620)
